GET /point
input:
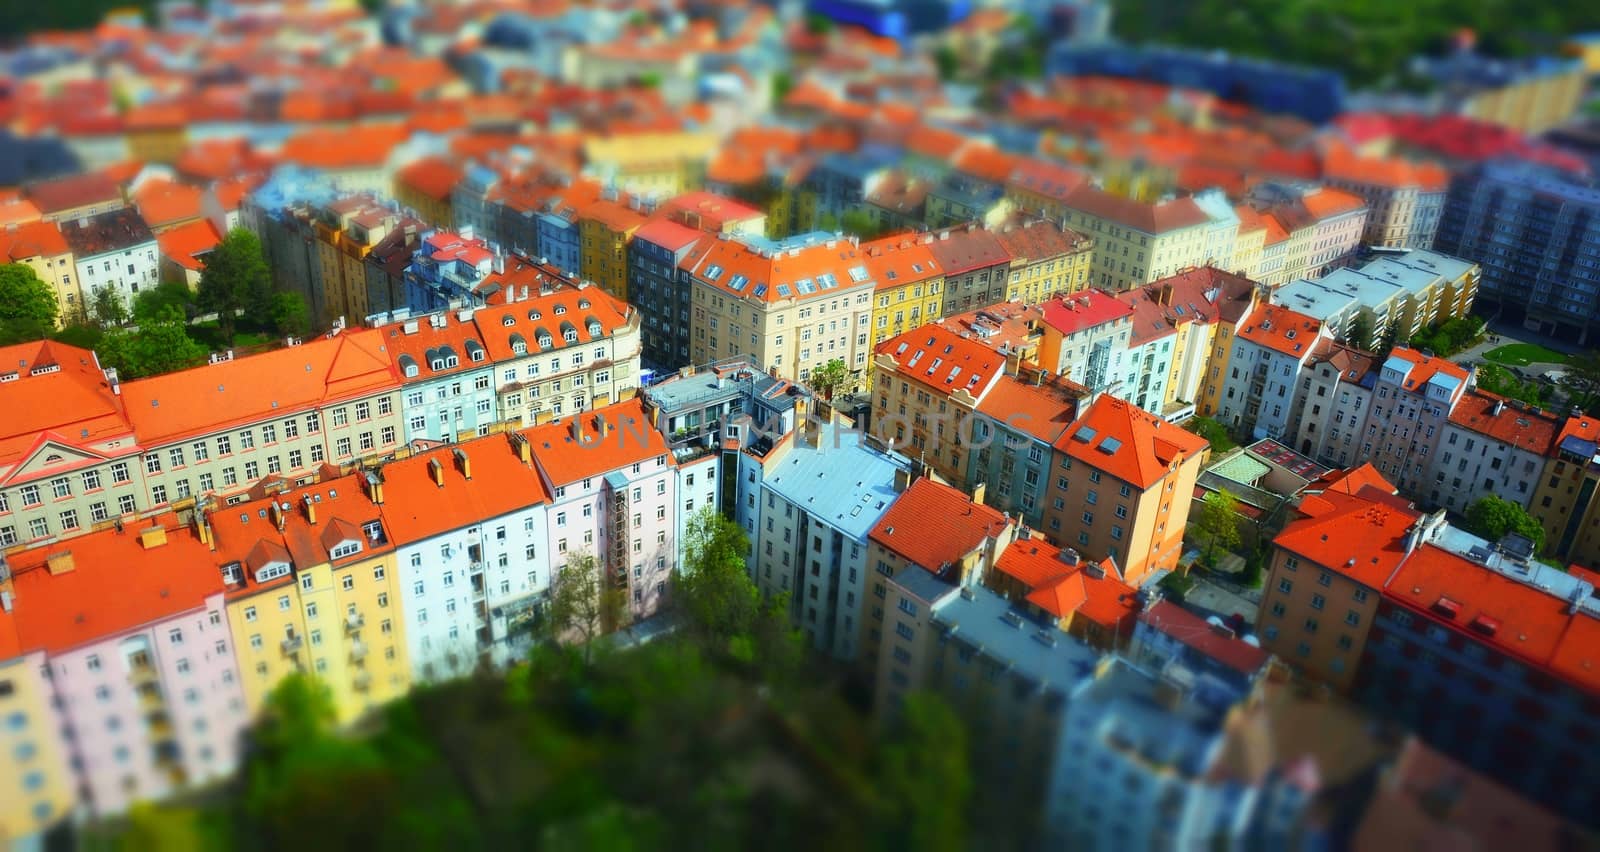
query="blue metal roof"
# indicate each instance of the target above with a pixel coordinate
(840, 481)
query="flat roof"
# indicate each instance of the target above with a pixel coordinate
(979, 621)
(841, 481)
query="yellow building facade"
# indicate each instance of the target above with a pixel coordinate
(36, 786)
(604, 230)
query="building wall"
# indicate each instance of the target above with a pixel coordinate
(1258, 390)
(127, 271)
(32, 509)
(1033, 280)
(1146, 370)
(60, 271)
(577, 377)
(1306, 618)
(151, 710)
(902, 306)
(37, 788)
(1565, 505)
(793, 336)
(925, 420)
(1091, 356)
(1464, 466)
(603, 256)
(1099, 513)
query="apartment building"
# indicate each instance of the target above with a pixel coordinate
(448, 268)
(1329, 568)
(1136, 242)
(977, 267)
(305, 569)
(700, 407)
(1177, 322)
(1522, 223)
(819, 493)
(604, 230)
(473, 560)
(113, 251)
(927, 384)
(1083, 598)
(1487, 655)
(1009, 678)
(930, 528)
(1008, 442)
(910, 284)
(1489, 445)
(1396, 295)
(1331, 403)
(143, 680)
(616, 494)
(793, 304)
(1045, 259)
(333, 400)
(426, 186)
(1085, 338)
(656, 253)
(75, 197)
(1563, 499)
(1136, 474)
(41, 247)
(71, 459)
(1320, 225)
(1413, 400)
(39, 787)
(1404, 199)
(562, 351)
(1262, 370)
(281, 213)
(346, 231)
(559, 242)
(446, 375)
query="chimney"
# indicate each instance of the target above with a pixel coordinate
(463, 463)
(152, 537)
(59, 563)
(980, 491)
(436, 472)
(280, 514)
(902, 480)
(520, 445)
(602, 426)
(576, 427)
(311, 509)
(202, 523)
(374, 483)
(1069, 556)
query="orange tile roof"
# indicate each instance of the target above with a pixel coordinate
(1326, 203)
(363, 146)
(54, 196)
(1285, 331)
(776, 276)
(216, 396)
(220, 159)
(116, 585)
(73, 405)
(434, 177)
(1425, 367)
(246, 532)
(184, 244)
(413, 350)
(942, 360)
(1355, 479)
(629, 439)
(414, 508)
(933, 525)
(1493, 415)
(1043, 411)
(1530, 622)
(899, 260)
(33, 239)
(1060, 588)
(706, 210)
(16, 210)
(502, 325)
(1356, 535)
(618, 218)
(1131, 444)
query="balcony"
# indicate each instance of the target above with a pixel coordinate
(292, 644)
(354, 621)
(358, 651)
(143, 673)
(150, 699)
(362, 680)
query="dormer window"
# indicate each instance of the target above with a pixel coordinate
(233, 573)
(545, 341)
(348, 548)
(583, 304)
(594, 329)
(535, 315)
(272, 571)
(570, 335)
(508, 320)
(561, 309)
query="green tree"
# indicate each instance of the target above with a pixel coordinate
(108, 309)
(1213, 432)
(236, 278)
(1218, 522)
(925, 776)
(290, 316)
(712, 587)
(819, 24)
(1581, 380)
(84, 336)
(1491, 517)
(782, 85)
(161, 345)
(948, 62)
(151, 304)
(583, 604)
(1359, 333)
(861, 224)
(830, 378)
(27, 305)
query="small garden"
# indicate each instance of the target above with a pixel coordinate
(1523, 354)
(1498, 379)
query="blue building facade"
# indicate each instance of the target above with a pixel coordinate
(1312, 94)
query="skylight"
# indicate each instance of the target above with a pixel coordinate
(783, 290)
(1084, 434)
(858, 274)
(713, 272)
(1110, 445)
(805, 286)
(827, 281)
(737, 282)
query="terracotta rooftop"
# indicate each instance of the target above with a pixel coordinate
(1061, 583)
(1282, 330)
(626, 438)
(415, 507)
(1360, 536)
(1127, 442)
(1141, 216)
(1192, 630)
(185, 244)
(1084, 310)
(933, 525)
(944, 361)
(61, 194)
(1496, 417)
(33, 239)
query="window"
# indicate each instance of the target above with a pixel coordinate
(1285, 586)
(905, 631)
(340, 417)
(120, 473)
(60, 487)
(224, 445)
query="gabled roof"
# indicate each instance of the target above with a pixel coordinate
(933, 525)
(1192, 630)
(211, 397)
(667, 234)
(944, 361)
(55, 196)
(184, 244)
(1062, 583)
(808, 266)
(61, 395)
(429, 349)
(1154, 219)
(164, 202)
(1495, 417)
(1352, 481)
(1127, 442)
(435, 177)
(1421, 370)
(900, 260)
(964, 249)
(415, 508)
(1044, 411)
(33, 239)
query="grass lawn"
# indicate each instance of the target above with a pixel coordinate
(209, 336)
(1499, 380)
(1523, 354)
